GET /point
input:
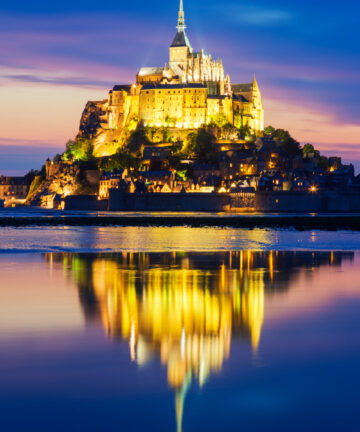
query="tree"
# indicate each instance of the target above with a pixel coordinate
(57, 158)
(29, 177)
(220, 120)
(308, 148)
(244, 132)
(230, 132)
(80, 149)
(201, 145)
(287, 142)
(122, 159)
(151, 132)
(269, 130)
(323, 163)
(137, 139)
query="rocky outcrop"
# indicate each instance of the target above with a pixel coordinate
(92, 120)
(63, 179)
(94, 127)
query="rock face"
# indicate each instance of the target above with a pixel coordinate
(92, 119)
(94, 126)
(62, 179)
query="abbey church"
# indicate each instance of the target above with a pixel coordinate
(189, 91)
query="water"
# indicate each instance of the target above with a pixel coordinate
(165, 239)
(170, 341)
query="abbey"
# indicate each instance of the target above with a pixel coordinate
(189, 91)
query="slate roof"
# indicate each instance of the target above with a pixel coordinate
(240, 97)
(217, 96)
(181, 40)
(12, 181)
(154, 174)
(242, 88)
(172, 86)
(126, 87)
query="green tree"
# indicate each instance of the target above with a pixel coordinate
(308, 148)
(81, 149)
(323, 162)
(36, 183)
(57, 158)
(220, 120)
(122, 159)
(201, 145)
(137, 139)
(269, 130)
(244, 132)
(287, 142)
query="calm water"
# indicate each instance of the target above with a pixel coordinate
(211, 341)
(166, 239)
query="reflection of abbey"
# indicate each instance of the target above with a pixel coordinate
(188, 92)
(186, 309)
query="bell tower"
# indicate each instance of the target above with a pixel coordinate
(180, 47)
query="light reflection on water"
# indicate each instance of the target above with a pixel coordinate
(165, 239)
(193, 313)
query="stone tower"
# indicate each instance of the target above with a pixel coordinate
(180, 48)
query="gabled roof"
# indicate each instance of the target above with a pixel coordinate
(181, 40)
(242, 88)
(240, 97)
(126, 87)
(154, 174)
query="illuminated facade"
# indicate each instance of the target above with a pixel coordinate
(13, 190)
(190, 91)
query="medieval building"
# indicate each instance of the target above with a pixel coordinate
(189, 91)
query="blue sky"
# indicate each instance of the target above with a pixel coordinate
(59, 54)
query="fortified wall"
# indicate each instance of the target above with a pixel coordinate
(307, 202)
(169, 202)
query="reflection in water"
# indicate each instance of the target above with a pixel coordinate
(184, 307)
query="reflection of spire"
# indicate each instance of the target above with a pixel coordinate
(183, 313)
(181, 18)
(175, 307)
(180, 396)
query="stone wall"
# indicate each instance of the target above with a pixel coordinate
(307, 202)
(85, 202)
(169, 202)
(243, 201)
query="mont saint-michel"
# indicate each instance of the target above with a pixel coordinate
(185, 136)
(190, 91)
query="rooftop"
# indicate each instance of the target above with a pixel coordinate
(181, 40)
(126, 87)
(151, 71)
(173, 86)
(242, 88)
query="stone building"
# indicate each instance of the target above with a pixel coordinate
(13, 190)
(192, 90)
(116, 179)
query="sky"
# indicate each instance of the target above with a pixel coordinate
(55, 56)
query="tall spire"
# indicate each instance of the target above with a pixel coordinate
(181, 18)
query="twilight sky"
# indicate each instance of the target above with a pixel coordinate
(56, 55)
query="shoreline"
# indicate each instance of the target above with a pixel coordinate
(299, 223)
